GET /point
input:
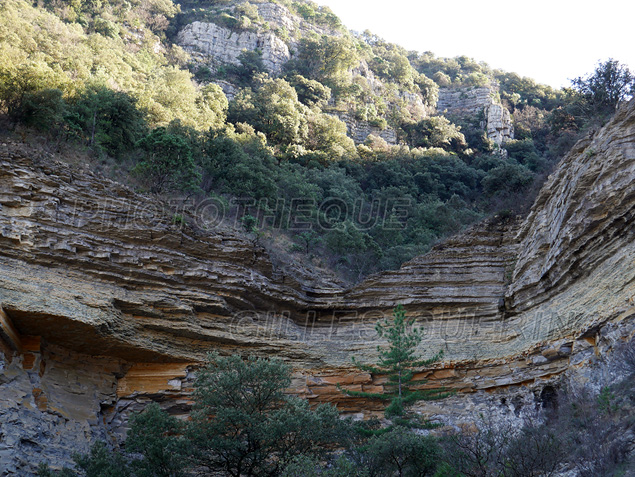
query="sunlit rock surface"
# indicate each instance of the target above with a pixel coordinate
(479, 105)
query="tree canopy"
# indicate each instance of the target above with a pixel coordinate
(602, 90)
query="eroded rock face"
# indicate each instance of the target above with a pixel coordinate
(359, 131)
(106, 304)
(478, 104)
(213, 44)
(53, 403)
(209, 40)
(582, 218)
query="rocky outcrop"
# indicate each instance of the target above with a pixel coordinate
(52, 403)
(581, 221)
(211, 42)
(279, 16)
(275, 36)
(498, 123)
(480, 105)
(108, 304)
(359, 130)
(213, 45)
(469, 101)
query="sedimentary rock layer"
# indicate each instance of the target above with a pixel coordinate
(108, 301)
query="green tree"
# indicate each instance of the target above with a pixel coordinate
(308, 239)
(44, 109)
(329, 134)
(101, 462)
(324, 59)
(168, 163)
(43, 470)
(155, 447)
(273, 109)
(507, 178)
(157, 437)
(304, 466)
(524, 151)
(436, 131)
(21, 82)
(398, 363)
(310, 92)
(602, 90)
(400, 452)
(240, 165)
(106, 118)
(244, 424)
(250, 65)
(429, 89)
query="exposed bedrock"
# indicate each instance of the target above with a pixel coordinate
(107, 304)
(480, 104)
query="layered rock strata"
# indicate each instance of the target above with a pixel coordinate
(107, 304)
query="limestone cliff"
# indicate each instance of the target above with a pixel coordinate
(207, 41)
(214, 44)
(478, 104)
(359, 130)
(106, 304)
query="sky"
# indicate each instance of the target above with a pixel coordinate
(550, 41)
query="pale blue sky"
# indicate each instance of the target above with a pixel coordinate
(548, 40)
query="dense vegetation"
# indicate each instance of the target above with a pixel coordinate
(104, 79)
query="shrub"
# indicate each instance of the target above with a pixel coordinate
(507, 178)
(44, 109)
(158, 438)
(107, 119)
(399, 452)
(602, 90)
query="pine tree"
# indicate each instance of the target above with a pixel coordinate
(399, 363)
(244, 424)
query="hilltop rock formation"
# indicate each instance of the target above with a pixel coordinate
(213, 44)
(208, 40)
(478, 104)
(107, 304)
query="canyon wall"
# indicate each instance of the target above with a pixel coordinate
(107, 303)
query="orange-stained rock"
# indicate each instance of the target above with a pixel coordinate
(442, 374)
(28, 360)
(151, 378)
(31, 343)
(40, 399)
